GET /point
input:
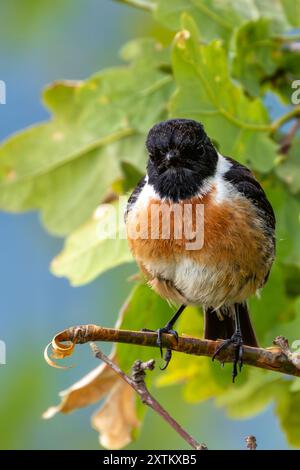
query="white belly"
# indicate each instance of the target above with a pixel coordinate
(199, 285)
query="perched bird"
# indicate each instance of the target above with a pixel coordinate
(235, 237)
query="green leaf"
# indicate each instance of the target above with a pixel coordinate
(287, 70)
(270, 306)
(64, 167)
(292, 281)
(218, 19)
(206, 93)
(288, 224)
(259, 151)
(212, 22)
(292, 11)
(289, 417)
(146, 51)
(251, 398)
(253, 49)
(100, 244)
(289, 328)
(289, 169)
(131, 176)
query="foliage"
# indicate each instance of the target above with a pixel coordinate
(222, 65)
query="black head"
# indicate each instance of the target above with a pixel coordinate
(181, 157)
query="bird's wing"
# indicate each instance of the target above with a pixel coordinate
(134, 195)
(245, 183)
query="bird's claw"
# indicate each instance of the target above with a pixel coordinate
(237, 341)
(167, 359)
(168, 355)
(160, 332)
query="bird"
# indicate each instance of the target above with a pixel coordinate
(216, 261)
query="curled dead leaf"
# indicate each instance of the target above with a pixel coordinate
(57, 355)
(62, 346)
(59, 350)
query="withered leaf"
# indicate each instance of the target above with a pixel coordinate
(117, 418)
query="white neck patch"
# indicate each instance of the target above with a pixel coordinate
(217, 181)
(223, 188)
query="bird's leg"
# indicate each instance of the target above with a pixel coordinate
(168, 328)
(237, 340)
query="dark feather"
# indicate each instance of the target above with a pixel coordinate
(245, 183)
(223, 329)
(134, 195)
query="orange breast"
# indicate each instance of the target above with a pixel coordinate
(226, 236)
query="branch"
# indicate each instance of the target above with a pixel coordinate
(292, 114)
(137, 382)
(288, 139)
(141, 4)
(290, 38)
(251, 443)
(278, 359)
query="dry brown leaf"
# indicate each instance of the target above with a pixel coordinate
(88, 390)
(117, 418)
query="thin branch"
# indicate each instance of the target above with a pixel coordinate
(289, 38)
(287, 141)
(275, 358)
(292, 114)
(283, 344)
(141, 4)
(251, 443)
(137, 382)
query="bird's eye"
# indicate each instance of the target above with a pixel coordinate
(200, 150)
(156, 156)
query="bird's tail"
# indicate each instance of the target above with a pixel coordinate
(219, 325)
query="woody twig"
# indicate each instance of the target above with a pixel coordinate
(275, 358)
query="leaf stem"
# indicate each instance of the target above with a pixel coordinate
(137, 382)
(141, 4)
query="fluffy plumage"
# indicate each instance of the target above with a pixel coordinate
(238, 247)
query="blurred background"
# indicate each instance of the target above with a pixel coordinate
(41, 41)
